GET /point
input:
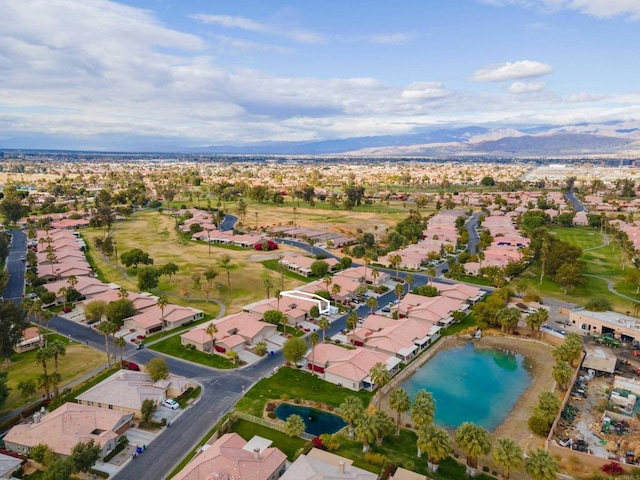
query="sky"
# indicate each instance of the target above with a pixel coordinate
(99, 74)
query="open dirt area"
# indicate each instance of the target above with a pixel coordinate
(539, 357)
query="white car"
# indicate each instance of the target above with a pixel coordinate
(170, 403)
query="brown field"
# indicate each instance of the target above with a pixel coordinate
(155, 234)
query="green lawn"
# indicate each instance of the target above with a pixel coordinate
(295, 384)
(172, 346)
(79, 360)
(274, 265)
(484, 281)
(288, 445)
(605, 262)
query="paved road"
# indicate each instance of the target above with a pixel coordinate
(577, 204)
(472, 229)
(16, 267)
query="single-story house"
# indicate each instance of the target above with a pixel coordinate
(125, 391)
(31, 339)
(348, 368)
(150, 319)
(230, 457)
(235, 332)
(67, 425)
(322, 465)
(9, 465)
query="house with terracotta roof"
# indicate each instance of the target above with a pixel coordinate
(31, 339)
(437, 310)
(460, 291)
(348, 367)
(125, 390)
(363, 273)
(404, 474)
(56, 271)
(322, 465)
(235, 332)
(302, 265)
(88, 287)
(232, 457)
(296, 310)
(68, 425)
(153, 318)
(404, 338)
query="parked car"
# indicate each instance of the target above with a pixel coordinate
(140, 346)
(170, 403)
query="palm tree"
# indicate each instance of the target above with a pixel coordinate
(508, 455)
(394, 262)
(314, 339)
(294, 425)
(162, 303)
(383, 425)
(398, 290)
(278, 295)
(540, 465)
(509, 318)
(72, 281)
(409, 279)
(58, 349)
(423, 410)
(267, 283)
(352, 321)
(120, 342)
(375, 274)
(534, 322)
(327, 281)
(562, 373)
(400, 402)
(435, 442)
(45, 383)
(350, 411)
(380, 376)
(372, 303)
(211, 331)
(122, 294)
(474, 441)
(105, 329)
(43, 355)
(335, 290)
(365, 431)
(225, 261)
(323, 324)
(54, 379)
(431, 273)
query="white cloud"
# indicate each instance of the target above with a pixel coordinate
(595, 8)
(584, 97)
(511, 71)
(243, 23)
(424, 91)
(392, 38)
(525, 87)
(238, 44)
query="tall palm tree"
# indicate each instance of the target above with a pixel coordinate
(327, 281)
(375, 274)
(211, 331)
(398, 290)
(540, 465)
(383, 425)
(431, 273)
(122, 294)
(225, 261)
(352, 321)
(323, 324)
(380, 376)
(409, 279)
(335, 290)
(267, 283)
(434, 441)
(423, 411)
(57, 349)
(350, 411)
(509, 318)
(72, 281)
(44, 382)
(54, 379)
(120, 343)
(278, 295)
(162, 303)
(105, 329)
(314, 339)
(400, 402)
(365, 431)
(508, 455)
(474, 441)
(372, 303)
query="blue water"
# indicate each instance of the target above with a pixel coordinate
(316, 422)
(479, 385)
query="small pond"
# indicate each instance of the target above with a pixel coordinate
(316, 422)
(469, 384)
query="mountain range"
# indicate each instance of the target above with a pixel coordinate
(617, 139)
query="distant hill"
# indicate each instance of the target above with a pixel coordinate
(583, 140)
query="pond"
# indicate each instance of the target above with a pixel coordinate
(469, 384)
(316, 422)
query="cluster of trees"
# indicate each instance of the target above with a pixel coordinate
(83, 457)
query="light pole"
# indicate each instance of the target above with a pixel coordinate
(115, 249)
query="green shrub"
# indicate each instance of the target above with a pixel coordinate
(376, 459)
(539, 425)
